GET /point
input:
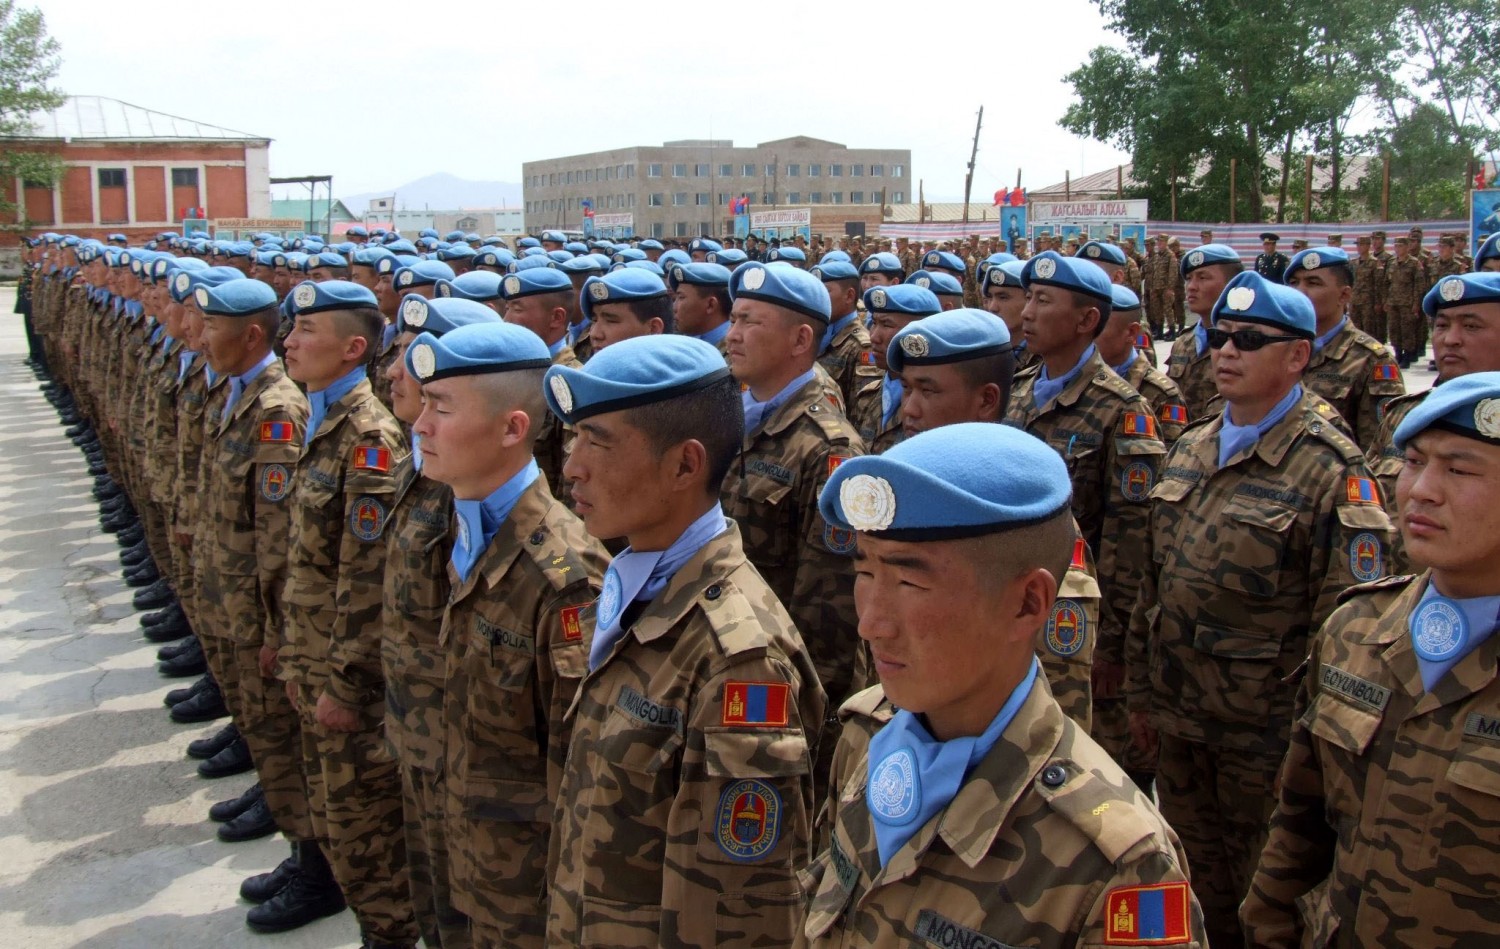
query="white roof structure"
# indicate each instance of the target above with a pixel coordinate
(98, 118)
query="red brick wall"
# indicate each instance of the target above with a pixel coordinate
(150, 193)
(77, 196)
(39, 205)
(226, 192)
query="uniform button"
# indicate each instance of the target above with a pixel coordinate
(537, 538)
(1316, 428)
(815, 407)
(713, 592)
(1054, 776)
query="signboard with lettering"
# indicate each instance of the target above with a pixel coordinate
(609, 225)
(787, 222)
(1088, 212)
(257, 224)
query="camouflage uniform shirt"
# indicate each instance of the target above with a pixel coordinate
(1358, 375)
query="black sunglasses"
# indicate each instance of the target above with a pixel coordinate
(1246, 341)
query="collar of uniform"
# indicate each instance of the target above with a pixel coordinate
(1088, 372)
(566, 356)
(510, 539)
(262, 380)
(339, 410)
(1187, 345)
(801, 401)
(1279, 439)
(1471, 674)
(1336, 348)
(708, 567)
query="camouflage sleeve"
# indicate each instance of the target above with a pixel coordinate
(1137, 644)
(274, 464)
(1383, 385)
(354, 676)
(1112, 921)
(1351, 544)
(565, 629)
(1132, 466)
(1066, 643)
(822, 606)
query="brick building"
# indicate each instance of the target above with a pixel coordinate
(683, 188)
(131, 170)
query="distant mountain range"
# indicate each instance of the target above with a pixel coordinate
(441, 191)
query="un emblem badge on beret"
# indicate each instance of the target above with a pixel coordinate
(914, 345)
(1240, 298)
(1451, 289)
(405, 279)
(755, 278)
(923, 282)
(414, 312)
(677, 274)
(1046, 267)
(877, 298)
(1487, 417)
(561, 393)
(933, 258)
(385, 265)
(1195, 258)
(1312, 261)
(1093, 252)
(868, 503)
(182, 283)
(512, 286)
(444, 290)
(201, 296)
(305, 295)
(599, 290)
(424, 361)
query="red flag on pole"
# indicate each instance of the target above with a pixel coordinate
(1002, 197)
(1018, 198)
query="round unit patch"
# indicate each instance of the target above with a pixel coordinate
(305, 295)
(1067, 628)
(748, 820)
(1365, 560)
(609, 599)
(838, 540)
(915, 345)
(1046, 267)
(1440, 630)
(367, 519)
(895, 792)
(275, 481)
(1135, 481)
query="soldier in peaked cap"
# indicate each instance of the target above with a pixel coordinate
(1351, 369)
(1264, 516)
(1205, 271)
(847, 342)
(687, 800)
(1400, 691)
(1161, 282)
(1270, 262)
(948, 773)
(522, 572)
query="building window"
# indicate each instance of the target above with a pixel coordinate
(630, 171)
(794, 197)
(630, 200)
(653, 171)
(794, 171)
(747, 171)
(726, 171)
(898, 171)
(815, 197)
(856, 171)
(875, 197)
(856, 197)
(552, 180)
(838, 196)
(679, 170)
(700, 171)
(679, 199)
(111, 177)
(701, 199)
(655, 199)
(703, 228)
(679, 229)
(836, 170)
(768, 198)
(898, 197)
(877, 171)
(770, 171)
(184, 177)
(658, 230)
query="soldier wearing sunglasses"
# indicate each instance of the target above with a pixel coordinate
(1264, 514)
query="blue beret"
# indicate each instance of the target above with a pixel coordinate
(528, 242)
(326, 259)
(1251, 298)
(650, 244)
(118, 238)
(480, 348)
(1314, 260)
(626, 254)
(296, 260)
(905, 299)
(371, 256)
(954, 336)
(1489, 250)
(625, 285)
(554, 237)
(1007, 274)
(826, 270)
(884, 262)
(428, 243)
(357, 231)
(1208, 254)
(562, 256)
(401, 246)
(494, 257)
(1468, 405)
(417, 314)
(239, 249)
(1462, 290)
(453, 236)
(650, 266)
(530, 262)
(494, 240)
(782, 285)
(475, 285)
(679, 256)
(940, 282)
(235, 298)
(943, 260)
(428, 232)
(730, 257)
(963, 480)
(266, 258)
(184, 282)
(790, 254)
(310, 297)
(1124, 299)
(471, 237)
(704, 244)
(1051, 269)
(583, 263)
(698, 274)
(995, 260)
(633, 372)
(456, 252)
(421, 274)
(535, 251)
(393, 263)
(535, 280)
(832, 255)
(576, 247)
(1102, 252)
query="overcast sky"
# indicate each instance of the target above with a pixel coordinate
(380, 93)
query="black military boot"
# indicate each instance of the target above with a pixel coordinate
(228, 810)
(168, 631)
(307, 897)
(182, 695)
(154, 597)
(254, 824)
(234, 759)
(141, 575)
(263, 886)
(205, 748)
(205, 706)
(166, 614)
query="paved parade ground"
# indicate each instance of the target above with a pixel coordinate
(104, 836)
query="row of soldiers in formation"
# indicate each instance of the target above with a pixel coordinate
(479, 728)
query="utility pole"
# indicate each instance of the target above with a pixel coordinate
(969, 177)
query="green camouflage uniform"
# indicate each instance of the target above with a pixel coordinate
(866, 411)
(845, 355)
(1385, 827)
(1357, 374)
(649, 847)
(1161, 393)
(1385, 461)
(1193, 372)
(1405, 285)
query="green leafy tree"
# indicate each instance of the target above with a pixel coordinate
(28, 63)
(1427, 167)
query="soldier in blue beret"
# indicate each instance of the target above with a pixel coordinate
(459, 256)
(494, 259)
(787, 255)
(1003, 296)
(1120, 346)
(691, 636)
(1353, 370)
(553, 240)
(876, 409)
(327, 265)
(1205, 270)
(479, 286)
(880, 270)
(541, 300)
(730, 257)
(579, 270)
(1488, 258)
(945, 286)
(623, 304)
(700, 301)
(700, 247)
(947, 770)
(653, 249)
(945, 261)
(847, 344)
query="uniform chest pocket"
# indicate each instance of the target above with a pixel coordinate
(1250, 550)
(1466, 819)
(317, 518)
(502, 656)
(765, 510)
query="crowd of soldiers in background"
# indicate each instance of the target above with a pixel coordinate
(121, 331)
